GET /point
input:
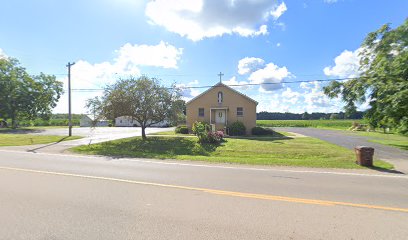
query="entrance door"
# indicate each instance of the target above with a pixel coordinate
(220, 116)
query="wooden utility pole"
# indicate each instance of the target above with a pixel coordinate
(69, 65)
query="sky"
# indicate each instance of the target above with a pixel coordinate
(188, 42)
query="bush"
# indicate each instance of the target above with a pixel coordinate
(205, 135)
(202, 127)
(237, 129)
(201, 130)
(215, 137)
(183, 129)
(262, 131)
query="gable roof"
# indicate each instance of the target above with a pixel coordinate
(222, 85)
(92, 117)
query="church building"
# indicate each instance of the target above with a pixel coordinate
(220, 106)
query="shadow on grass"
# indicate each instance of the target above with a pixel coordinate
(20, 130)
(158, 147)
(270, 137)
(48, 145)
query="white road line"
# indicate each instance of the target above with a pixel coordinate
(385, 175)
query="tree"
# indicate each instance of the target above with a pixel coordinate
(23, 96)
(143, 99)
(94, 105)
(383, 79)
(179, 107)
(305, 116)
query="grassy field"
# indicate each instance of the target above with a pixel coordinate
(285, 151)
(27, 139)
(332, 124)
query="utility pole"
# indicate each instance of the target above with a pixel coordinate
(69, 65)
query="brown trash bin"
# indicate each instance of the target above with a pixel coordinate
(364, 155)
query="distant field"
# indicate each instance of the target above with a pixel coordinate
(334, 124)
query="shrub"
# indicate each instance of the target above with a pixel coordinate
(201, 130)
(237, 129)
(262, 131)
(201, 125)
(215, 137)
(183, 129)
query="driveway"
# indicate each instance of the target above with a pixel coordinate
(91, 135)
(398, 157)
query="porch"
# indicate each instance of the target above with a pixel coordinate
(219, 118)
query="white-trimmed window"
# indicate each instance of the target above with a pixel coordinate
(201, 112)
(220, 97)
(240, 111)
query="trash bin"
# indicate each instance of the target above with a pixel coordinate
(364, 156)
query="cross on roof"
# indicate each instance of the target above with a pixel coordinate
(220, 74)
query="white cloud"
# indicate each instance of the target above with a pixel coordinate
(310, 99)
(160, 55)
(347, 65)
(2, 54)
(188, 93)
(198, 19)
(330, 1)
(278, 11)
(278, 44)
(272, 75)
(291, 96)
(316, 101)
(128, 59)
(305, 85)
(250, 64)
(233, 83)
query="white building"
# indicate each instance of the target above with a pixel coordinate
(88, 120)
(126, 121)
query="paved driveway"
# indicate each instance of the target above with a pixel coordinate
(91, 135)
(349, 140)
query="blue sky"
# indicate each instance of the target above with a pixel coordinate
(188, 42)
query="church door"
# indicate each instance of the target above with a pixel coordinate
(220, 116)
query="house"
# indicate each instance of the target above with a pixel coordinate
(89, 120)
(126, 121)
(220, 106)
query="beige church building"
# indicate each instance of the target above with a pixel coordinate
(220, 106)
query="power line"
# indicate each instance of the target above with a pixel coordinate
(243, 85)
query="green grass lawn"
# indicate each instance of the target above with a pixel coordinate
(170, 133)
(285, 151)
(29, 139)
(390, 139)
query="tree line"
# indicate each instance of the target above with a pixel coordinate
(307, 116)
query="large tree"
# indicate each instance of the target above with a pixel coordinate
(23, 96)
(383, 79)
(143, 99)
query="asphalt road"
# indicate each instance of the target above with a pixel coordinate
(56, 196)
(398, 157)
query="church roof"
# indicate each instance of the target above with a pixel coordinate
(222, 85)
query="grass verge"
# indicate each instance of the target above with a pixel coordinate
(390, 139)
(27, 139)
(284, 151)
